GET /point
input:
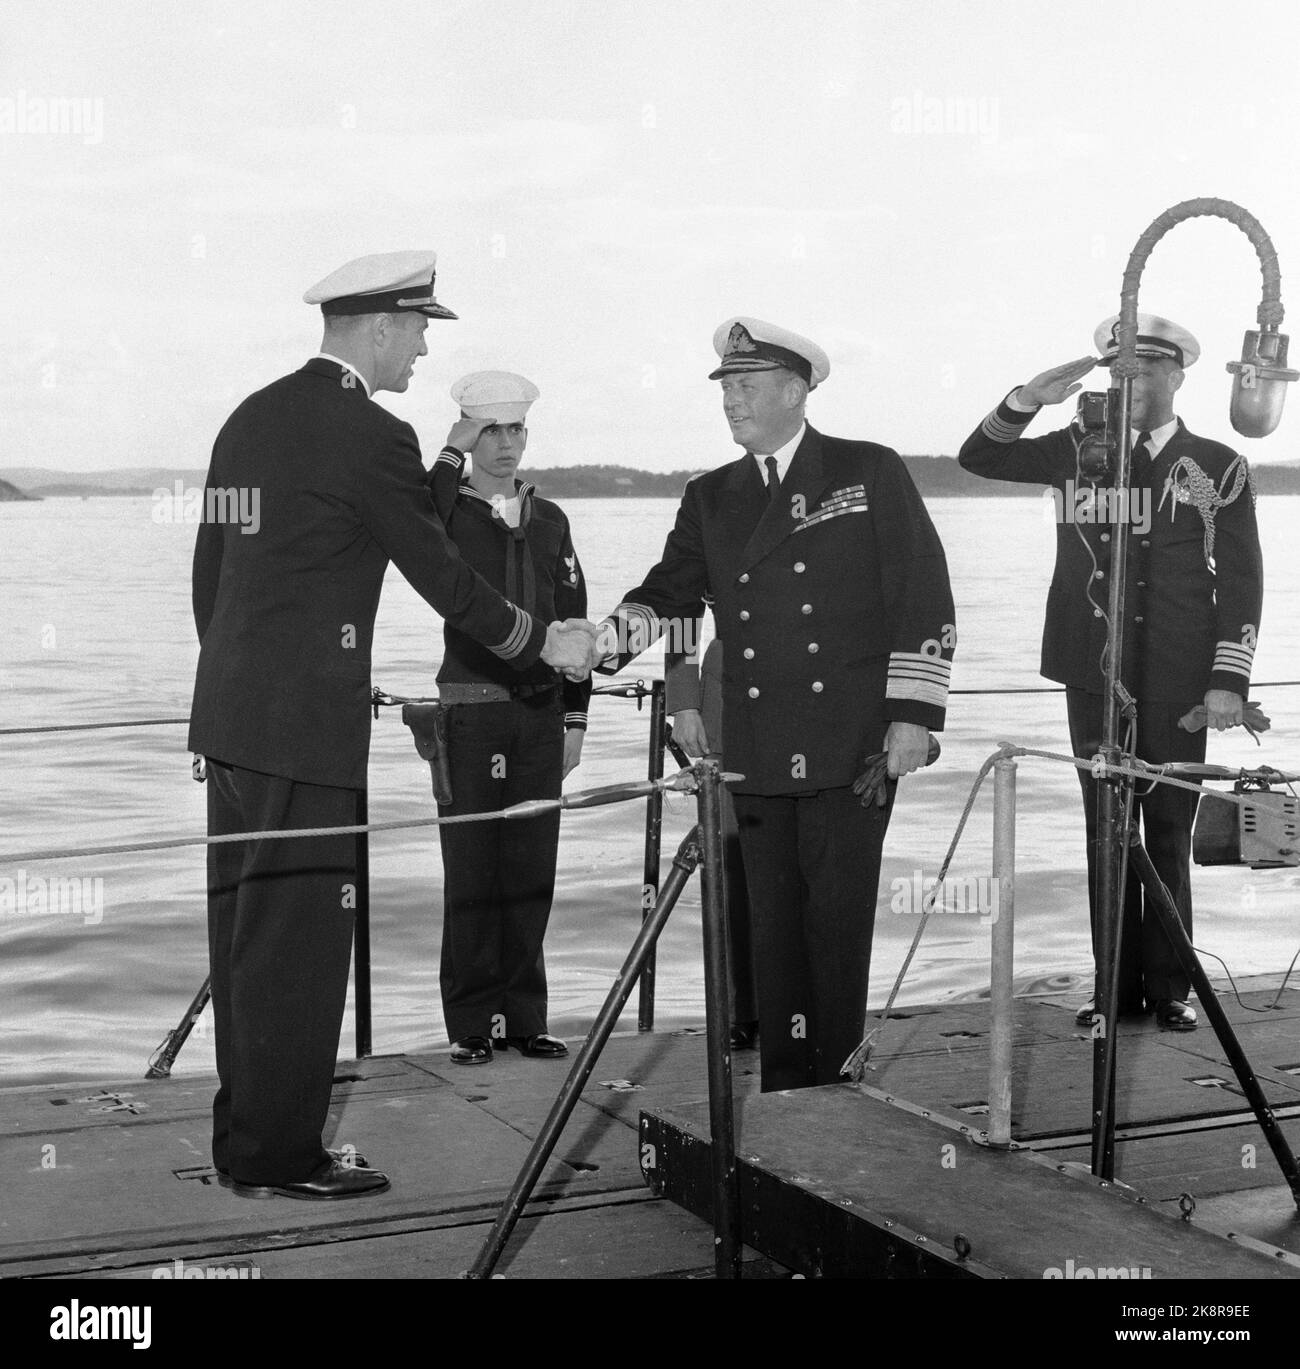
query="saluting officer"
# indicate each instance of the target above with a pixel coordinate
(830, 595)
(281, 709)
(511, 736)
(1193, 594)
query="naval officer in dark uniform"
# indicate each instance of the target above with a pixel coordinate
(1193, 596)
(281, 702)
(511, 736)
(830, 594)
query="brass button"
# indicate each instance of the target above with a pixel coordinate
(1101, 575)
(813, 647)
(807, 608)
(817, 686)
(1139, 619)
(753, 691)
(1096, 613)
(744, 579)
(744, 615)
(1105, 537)
(1145, 543)
(749, 653)
(799, 568)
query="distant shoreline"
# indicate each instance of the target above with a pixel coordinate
(936, 477)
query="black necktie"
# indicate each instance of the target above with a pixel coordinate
(1139, 470)
(773, 480)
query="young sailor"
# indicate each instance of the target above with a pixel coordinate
(511, 736)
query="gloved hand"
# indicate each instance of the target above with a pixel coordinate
(1252, 719)
(872, 784)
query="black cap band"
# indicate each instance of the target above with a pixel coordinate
(1155, 346)
(385, 302)
(765, 356)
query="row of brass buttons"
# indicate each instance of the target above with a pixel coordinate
(798, 569)
(816, 688)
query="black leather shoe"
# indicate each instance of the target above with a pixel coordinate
(331, 1180)
(1084, 1017)
(1173, 1015)
(473, 1050)
(357, 1162)
(540, 1044)
(744, 1036)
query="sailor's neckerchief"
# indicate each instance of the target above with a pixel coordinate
(1188, 483)
(516, 538)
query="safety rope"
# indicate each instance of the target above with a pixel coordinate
(92, 727)
(855, 1065)
(620, 691)
(530, 808)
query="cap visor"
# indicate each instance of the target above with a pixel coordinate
(758, 364)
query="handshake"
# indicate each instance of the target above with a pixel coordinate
(574, 647)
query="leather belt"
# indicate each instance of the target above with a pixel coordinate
(453, 693)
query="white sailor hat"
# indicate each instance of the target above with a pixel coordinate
(749, 344)
(1157, 337)
(383, 283)
(494, 396)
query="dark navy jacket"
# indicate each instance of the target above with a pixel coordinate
(1191, 622)
(832, 602)
(286, 614)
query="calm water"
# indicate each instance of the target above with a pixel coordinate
(96, 626)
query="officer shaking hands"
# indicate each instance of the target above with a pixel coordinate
(830, 595)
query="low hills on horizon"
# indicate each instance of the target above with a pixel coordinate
(935, 477)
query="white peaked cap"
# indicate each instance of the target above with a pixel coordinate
(383, 283)
(749, 344)
(496, 396)
(1157, 337)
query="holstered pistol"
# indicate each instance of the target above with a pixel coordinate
(428, 724)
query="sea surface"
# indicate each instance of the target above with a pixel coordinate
(96, 627)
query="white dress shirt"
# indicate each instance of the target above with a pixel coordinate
(784, 456)
(1159, 436)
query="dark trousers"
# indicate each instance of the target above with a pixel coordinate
(812, 864)
(1148, 968)
(499, 877)
(280, 916)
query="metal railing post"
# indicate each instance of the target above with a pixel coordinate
(684, 863)
(1002, 963)
(361, 931)
(717, 1005)
(654, 815)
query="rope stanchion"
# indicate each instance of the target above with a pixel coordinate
(689, 855)
(854, 1067)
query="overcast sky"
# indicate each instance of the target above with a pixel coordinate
(942, 194)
